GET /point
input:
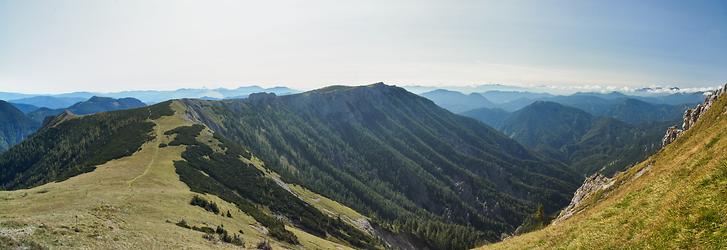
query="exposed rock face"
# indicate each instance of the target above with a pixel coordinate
(671, 135)
(591, 185)
(691, 116)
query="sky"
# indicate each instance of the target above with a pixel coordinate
(113, 45)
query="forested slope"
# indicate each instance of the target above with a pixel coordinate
(417, 169)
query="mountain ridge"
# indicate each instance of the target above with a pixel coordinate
(457, 102)
(374, 148)
(290, 111)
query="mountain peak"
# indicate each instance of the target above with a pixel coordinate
(379, 84)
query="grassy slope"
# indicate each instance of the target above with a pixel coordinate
(678, 201)
(320, 202)
(127, 203)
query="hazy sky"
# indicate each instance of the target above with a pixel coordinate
(95, 45)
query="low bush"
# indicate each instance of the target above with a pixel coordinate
(207, 205)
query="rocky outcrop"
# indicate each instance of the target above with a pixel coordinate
(671, 134)
(691, 116)
(591, 185)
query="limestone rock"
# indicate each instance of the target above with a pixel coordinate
(671, 134)
(691, 116)
(590, 186)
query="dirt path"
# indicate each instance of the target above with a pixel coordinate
(154, 144)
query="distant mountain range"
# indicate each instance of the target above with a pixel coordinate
(457, 102)
(57, 101)
(419, 89)
(51, 102)
(16, 125)
(626, 108)
(585, 142)
(93, 105)
(514, 100)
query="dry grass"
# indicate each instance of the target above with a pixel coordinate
(679, 203)
(132, 202)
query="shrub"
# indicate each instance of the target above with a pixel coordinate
(237, 241)
(209, 237)
(207, 205)
(264, 245)
(204, 229)
(183, 223)
(221, 230)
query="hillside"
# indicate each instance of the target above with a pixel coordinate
(396, 156)
(14, 126)
(423, 177)
(544, 125)
(585, 142)
(673, 200)
(122, 189)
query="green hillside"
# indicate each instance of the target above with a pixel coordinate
(673, 200)
(362, 167)
(72, 145)
(415, 168)
(120, 188)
